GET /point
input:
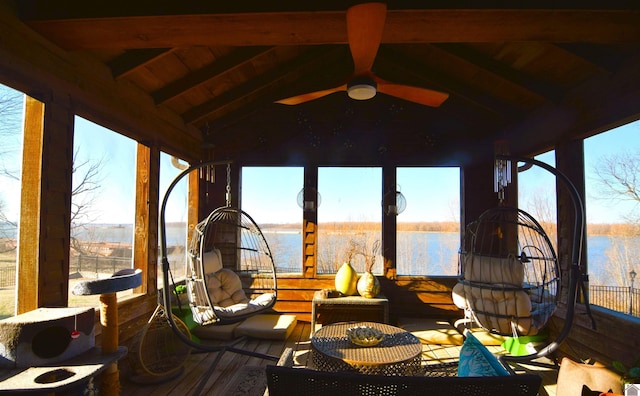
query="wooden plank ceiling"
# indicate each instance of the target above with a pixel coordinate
(516, 73)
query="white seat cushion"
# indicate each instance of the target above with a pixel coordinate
(267, 326)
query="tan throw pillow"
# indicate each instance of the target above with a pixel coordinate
(572, 376)
(212, 261)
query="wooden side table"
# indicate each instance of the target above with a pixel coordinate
(399, 353)
(326, 309)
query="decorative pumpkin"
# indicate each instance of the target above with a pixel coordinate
(368, 285)
(346, 280)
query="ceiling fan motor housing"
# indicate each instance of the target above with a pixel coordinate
(362, 88)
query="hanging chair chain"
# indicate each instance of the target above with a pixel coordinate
(228, 195)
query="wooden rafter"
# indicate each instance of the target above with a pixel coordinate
(329, 27)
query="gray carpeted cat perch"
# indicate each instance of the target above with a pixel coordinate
(52, 349)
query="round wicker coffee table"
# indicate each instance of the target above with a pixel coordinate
(398, 353)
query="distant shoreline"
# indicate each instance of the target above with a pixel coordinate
(593, 229)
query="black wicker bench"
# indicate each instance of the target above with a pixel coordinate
(282, 379)
(287, 381)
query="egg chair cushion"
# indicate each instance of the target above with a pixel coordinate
(225, 288)
(228, 297)
(498, 310)
(212, 261)
(486, 269)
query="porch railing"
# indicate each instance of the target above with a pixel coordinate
(95, 266)
(7, 276)
(617, 298)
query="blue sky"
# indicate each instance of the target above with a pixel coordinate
(346, 193)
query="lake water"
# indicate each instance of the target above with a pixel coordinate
(417, 252)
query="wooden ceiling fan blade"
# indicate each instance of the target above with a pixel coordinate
(423, 96)
(365, 23)
(307, 97)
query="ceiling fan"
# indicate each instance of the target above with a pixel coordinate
(365, 23)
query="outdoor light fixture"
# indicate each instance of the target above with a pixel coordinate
(362, 88)
(305, 199)
(394, 203)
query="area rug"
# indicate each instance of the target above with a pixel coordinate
(249, 381)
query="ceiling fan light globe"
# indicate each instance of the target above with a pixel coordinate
(361, 91)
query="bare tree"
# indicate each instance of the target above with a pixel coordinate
(11, 104)
(86, 173)
(618, 177)
(87, 179)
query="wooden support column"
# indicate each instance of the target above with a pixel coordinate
(193, 203)
(212, 188)
(310, 223)
(476, 191)
(145, 245)
(389, 222)
(45, 209)
(569, 161)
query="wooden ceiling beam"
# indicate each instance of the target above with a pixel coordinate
(232, 61)
(329, 27)
(326, 71)
(441, 81)
(502, 71)
(27, 56)
(593, 107)
(259, 83)
(604, 57)
(132, 60)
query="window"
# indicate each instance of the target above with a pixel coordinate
(428, 230)
(537, 195)
(102, 205)
(176, 225)
(612, 177)
(269, 196)
(349, 218)
(11, 136)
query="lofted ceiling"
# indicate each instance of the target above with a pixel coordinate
(532, 74)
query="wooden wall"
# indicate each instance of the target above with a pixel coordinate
(616, 336)
(408, 296)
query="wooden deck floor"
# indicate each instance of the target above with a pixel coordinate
(198, 364)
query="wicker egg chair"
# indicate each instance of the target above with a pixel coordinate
(230, 273)
(509, 276)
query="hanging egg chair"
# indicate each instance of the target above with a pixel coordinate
(509, 273)
(231, 274)
(509, 276)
